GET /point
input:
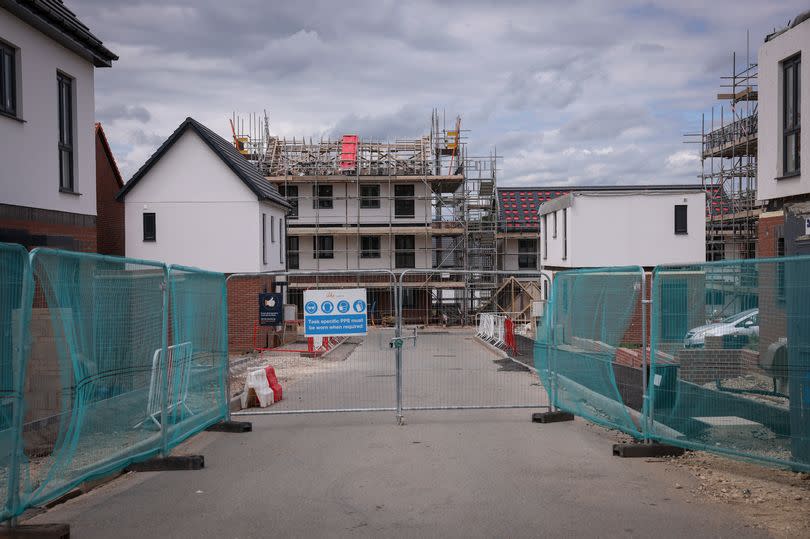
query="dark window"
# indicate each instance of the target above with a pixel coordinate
(544, 232)
(323, 246)
(272, 229)
(554, 221)
(65, 86)
(322, 197)
(565, 234)
(264, 238)
(527, 254)
(404, 205)
(680, 219)
(290, 192)
(410, 298)
(369, 196)
(149, 229)
(545, 289)
(369, 247)
(791, 124)
(8, 83)
(281, 240)
(292, 252)
(405, 252)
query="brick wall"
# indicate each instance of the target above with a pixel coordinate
(703, 365)
(772, 318)
(110, 218)
(35, 227)
(243, 313)
(633, 333)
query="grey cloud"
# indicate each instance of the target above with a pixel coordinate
(113, 113)
(607, 123)
(408, 122)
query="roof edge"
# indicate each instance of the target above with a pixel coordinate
(110, 157)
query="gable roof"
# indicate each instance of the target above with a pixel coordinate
(244, 170)
(53, 19)
(110, 157)
(517, 208)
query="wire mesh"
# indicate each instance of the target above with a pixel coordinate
(731, 362)
(322, 373)
(595, 336)
(15, 310)
(196, 363)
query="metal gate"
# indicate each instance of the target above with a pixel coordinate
(423, 350)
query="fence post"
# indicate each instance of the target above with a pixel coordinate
(644, 358)
(224, 333)
(164, 363)
(398, 350)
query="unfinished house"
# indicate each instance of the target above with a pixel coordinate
(358, 204)
(728, 158)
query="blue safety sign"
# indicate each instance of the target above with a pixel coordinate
(338, 312)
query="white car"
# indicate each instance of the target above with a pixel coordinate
(743, 323)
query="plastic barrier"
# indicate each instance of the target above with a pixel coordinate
(257, 384)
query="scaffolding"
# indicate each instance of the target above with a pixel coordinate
(728, 161)
(452, 212)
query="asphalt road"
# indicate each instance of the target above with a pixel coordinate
(467, 473)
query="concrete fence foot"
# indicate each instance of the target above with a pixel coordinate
(231, 426)
(43, 531)
(646, 450)
(160, 464)
(556, 416)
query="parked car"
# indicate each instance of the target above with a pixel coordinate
(743, 323)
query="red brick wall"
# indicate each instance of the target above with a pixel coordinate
(243, 313)
(32, 227)
(772, 319)
(633, 333)
(110, 219)
(769, 232)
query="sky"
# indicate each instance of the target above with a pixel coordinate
(567, 92)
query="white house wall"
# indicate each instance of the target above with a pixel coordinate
(205, 216)
(769, 159)
(29, 175)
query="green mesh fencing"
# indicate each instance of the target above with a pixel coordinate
(198, 352)
(15, 309)
(730, 367)
(591, 366)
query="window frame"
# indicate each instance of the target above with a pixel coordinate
(320, 200)
(545, 237)
(323, 253)
(7, 52)
(370, 202)
(527, 256)
(292, 199)
(293, 251)
(405, 205)
(281, 243)
(554, 223)
(153, 237)
(565, 233)
(684, 230)
(404, 257)
(371, 252)
(264, 238)
(791, 123)
(66, 145)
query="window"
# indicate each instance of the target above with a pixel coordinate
(65, 87)
(404, 201)
(8, 82)
(527, 254)
(410, 298)
(290, 192)
(680, 219)
(369, 196)
(323, 247)
(322, 197)
(272, 229)
(791, 115)
(554, 222)
(281, 240)
(545, 289)
(405, 251)
(369, 247)
(565, 234)
(544, 232)
(292, 252)
(149, 229)
(264, 238)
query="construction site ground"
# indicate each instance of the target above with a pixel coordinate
(472, 473)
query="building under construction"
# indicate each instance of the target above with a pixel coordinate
(728, 157)
(358, 204)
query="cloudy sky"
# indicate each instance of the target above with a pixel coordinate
(568, 91)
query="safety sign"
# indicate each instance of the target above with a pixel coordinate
(338, 312)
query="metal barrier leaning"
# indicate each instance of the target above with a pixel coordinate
(594, 359)
(444, 368)
(730, 366)
(321, 373)
(15, 312)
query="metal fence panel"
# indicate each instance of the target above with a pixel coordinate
(731, 362)
(97, 324)
(15, 310)
(196, 366)
(595, 334)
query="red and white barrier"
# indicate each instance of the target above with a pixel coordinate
(264, 385)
